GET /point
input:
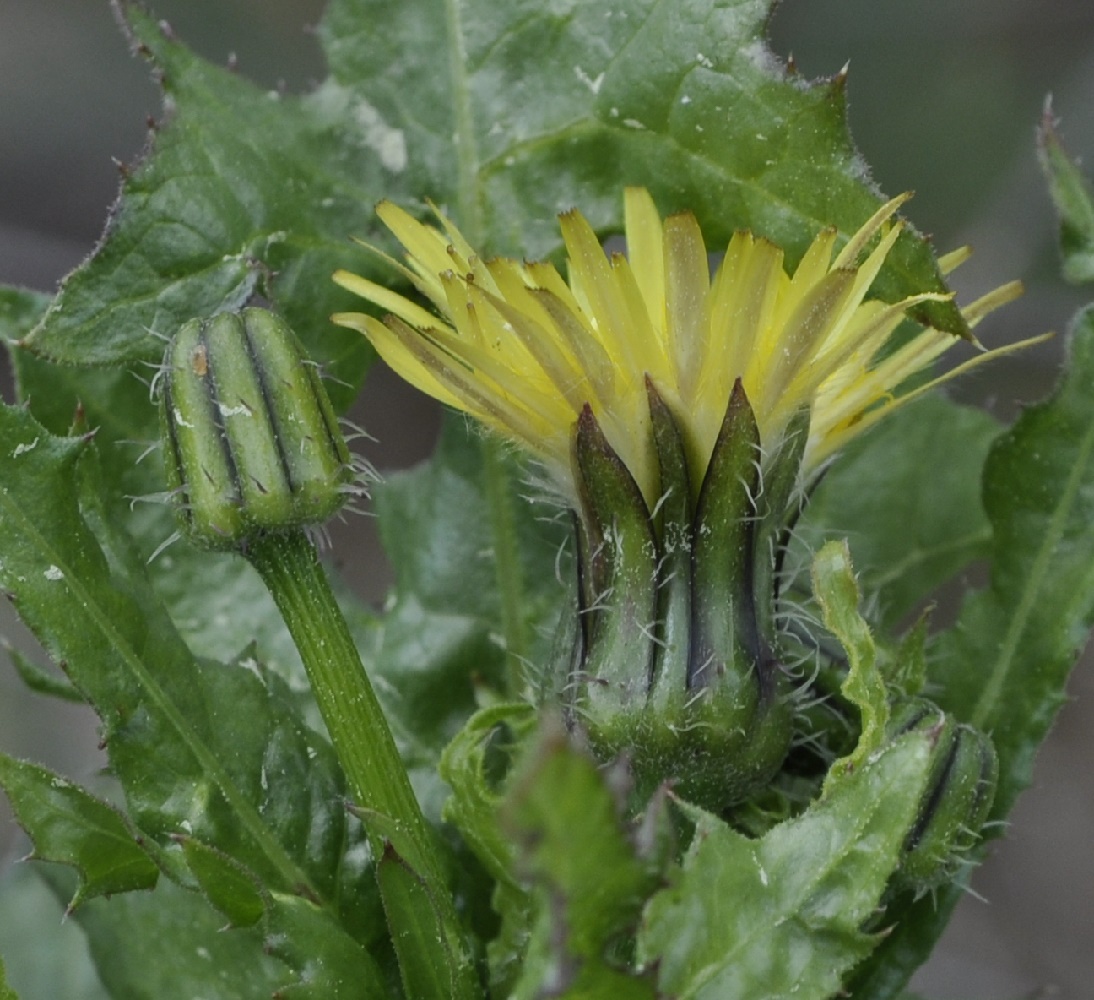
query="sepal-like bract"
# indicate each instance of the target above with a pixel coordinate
(251, 440)
(674, 667)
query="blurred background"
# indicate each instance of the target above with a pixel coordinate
(944, 98)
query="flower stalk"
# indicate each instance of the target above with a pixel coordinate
(255, 456)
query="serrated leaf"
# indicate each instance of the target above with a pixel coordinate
(783, 916)
(909, 532)
(69, 825)
(1074, 201)
(512, 113)
(207, 749)
(1003, 667)
(837, 593)
(37, 679)
(509, 114)
(241, 183)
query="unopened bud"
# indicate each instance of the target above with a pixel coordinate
(959, 793)
(251, 440)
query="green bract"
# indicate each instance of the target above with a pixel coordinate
(251, 440)
(675, 661)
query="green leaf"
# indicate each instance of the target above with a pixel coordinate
(592, 879)
(20, 311)
(908, 532)
(476, 587)
(506, 113)
(216, 751)
(329, 964)
(6, 992)
(783, 916)
(37, 679)
(1003, 667)
(228, 886)
(1074, 200)
(68, 825)
(170, 943)
(326, 960)
(410, 902)
(511, 113)
(864, 686)
(240, 183)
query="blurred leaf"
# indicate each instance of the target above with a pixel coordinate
(909, 532)
(473, 765)
(6, 992)
(1074, 200)
(469, 556)
(46, 955)
(68, 825)
(20, 311)
(573, 845)
(783, 916)
(1003, 667)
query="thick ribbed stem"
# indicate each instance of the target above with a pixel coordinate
(376, 776)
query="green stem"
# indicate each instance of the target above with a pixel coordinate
(506, 563)
(375, 773)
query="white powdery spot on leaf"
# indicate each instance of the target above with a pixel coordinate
(54, 573)
(593, 83)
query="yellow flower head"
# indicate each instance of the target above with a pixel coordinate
(524, 351)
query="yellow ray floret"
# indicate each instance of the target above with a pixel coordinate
(523, 350)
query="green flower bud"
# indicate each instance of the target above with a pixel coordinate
(251, 441)
(675, 664)
(959, 793)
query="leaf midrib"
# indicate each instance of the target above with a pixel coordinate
(1039, 569)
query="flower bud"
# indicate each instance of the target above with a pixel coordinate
(675, 665)
(959, 793)
(251, 439)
